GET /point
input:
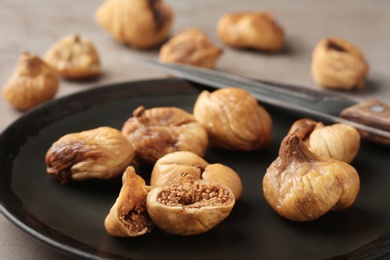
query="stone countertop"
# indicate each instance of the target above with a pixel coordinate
(34, 25)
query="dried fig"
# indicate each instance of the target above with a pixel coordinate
(338, 64)
(233, 119)
(189, 207)
(100, 153)
(142, 24)
(177, 166)
(191, 46)
(338, 141)
(256, 30)
(302, 186)
(128, 216)
(74, 57)
(158, 131)
(32, 83)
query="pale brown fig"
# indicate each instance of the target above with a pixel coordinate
(302, 186)
(158, 131)
(74, 57)
(100, 153)
(190, 46)
(32, 83)
(338, 141)
(255, 30)
(178, 166)
(189, 207)
(233, 119)
(338, 64)
(142, 24)
(128, 216)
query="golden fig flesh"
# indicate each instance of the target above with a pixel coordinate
(191, 46)
(190, 207)
(141, 24)
(32, 83)
(338, 64)
(256, 30)
(302, 186)
(233, 119)
(158, 131)
(74, 57)
(128, 216)
(338, 141)
(178, 166)
(100, 153)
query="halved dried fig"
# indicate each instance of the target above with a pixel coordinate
(100, 153)
(190, 207)
(302, 186)
(128, 216)
(74, 57)
(158, 131)
(178, 166)
(233, 119)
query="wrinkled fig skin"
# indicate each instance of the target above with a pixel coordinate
(32, 83)
(178, 166)
(100, 153)
(255, 30)
(191, 46)
(128, 216)
(158, 131)
(142, 24)
(233, 119)
(189, 207)
(338, 141)
(338, 64)
(302, 186)
(74, 57)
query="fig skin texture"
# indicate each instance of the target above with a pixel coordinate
(302, 186)
(338, 141)
(158, 131)
(190, 207)
(233, 119)
(190, 46)
(100, 153)
(182, 165)
(128, 216)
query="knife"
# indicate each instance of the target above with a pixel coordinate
(371, 118)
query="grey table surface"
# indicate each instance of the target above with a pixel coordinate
(34, 25)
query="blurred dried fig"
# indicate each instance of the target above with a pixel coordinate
(32, 83)
(256, 30)
(338, 64)
(158, 131)
(183, 165)
(233, 119)
(191, 46)
(189, 207)
(141, 24)
(338, 141)
(302, 186)
(100, 153)
(74, 57)
(128, 216)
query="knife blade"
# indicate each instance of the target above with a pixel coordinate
(371, 118)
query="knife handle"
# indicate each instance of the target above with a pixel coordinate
(373, 113)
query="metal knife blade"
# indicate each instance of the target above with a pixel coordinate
(325, 105)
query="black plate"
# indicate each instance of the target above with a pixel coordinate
(70, 217)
